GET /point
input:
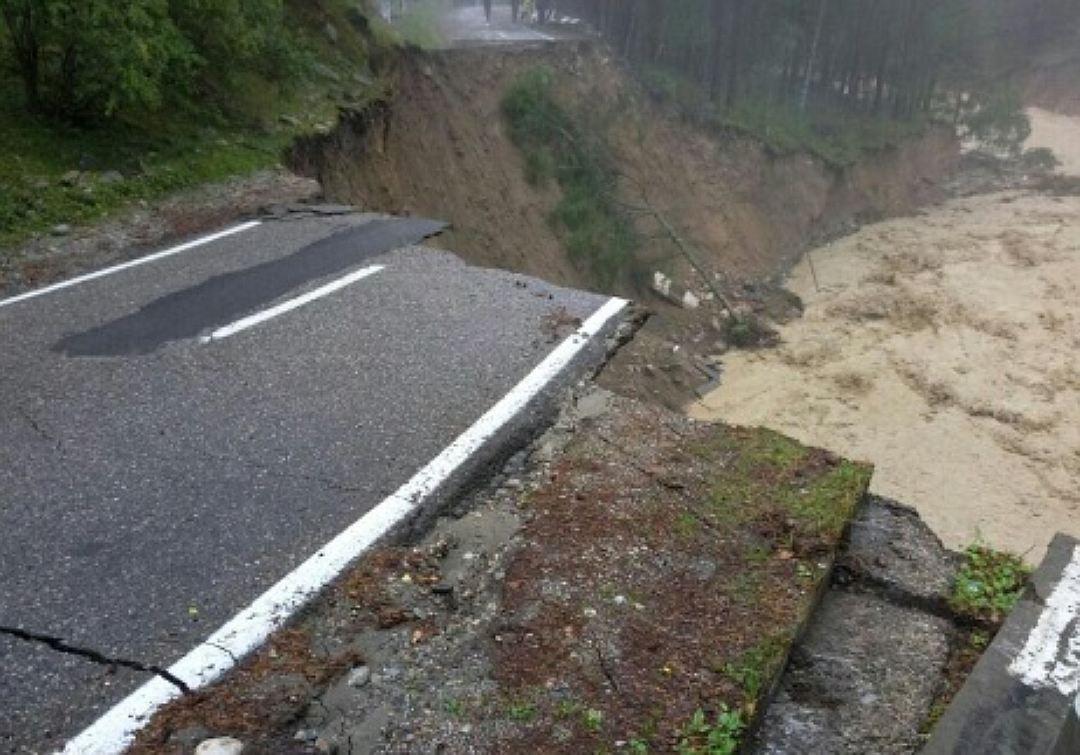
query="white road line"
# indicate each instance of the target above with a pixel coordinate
(111, 733)
(132, 263)
(267, 314)
(1049, 658)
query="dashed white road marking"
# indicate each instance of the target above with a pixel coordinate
(268, 314)
(131, 263)
(112, 733)
(1051, 655)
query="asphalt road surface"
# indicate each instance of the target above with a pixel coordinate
(177, 436)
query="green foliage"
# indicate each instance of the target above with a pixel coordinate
(989, 583)
(756, 667)
(721, 737)
(1039, 160)
(997, 122)
(90, 58)
(593, 719)
(596, 232)
(36, 152)
(522, 712)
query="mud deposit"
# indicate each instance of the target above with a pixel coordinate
(944, 348)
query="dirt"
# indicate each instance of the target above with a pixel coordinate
(943, 348)
(634, 568)
(131, 233)
(748, 213)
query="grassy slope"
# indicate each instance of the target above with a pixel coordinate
(165, 152)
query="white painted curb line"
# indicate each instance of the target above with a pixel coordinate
(245, 632)
(1051, 655)
(132, 263)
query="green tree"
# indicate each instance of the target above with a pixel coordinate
(85, 59)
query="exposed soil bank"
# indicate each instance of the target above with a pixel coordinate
(439, 147)
(945, 349)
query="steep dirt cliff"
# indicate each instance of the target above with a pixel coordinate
(439, 147)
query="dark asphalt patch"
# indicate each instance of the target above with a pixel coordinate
(224, 298)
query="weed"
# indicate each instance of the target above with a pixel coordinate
(567, 708)
(638, 747)
(989, 583)
(593, 719)
(756, 667)
(596, 232)
(721, 737)
(522, 712)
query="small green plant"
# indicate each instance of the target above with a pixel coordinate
(638, 746)
(567, 708)
(522, 712)
(756, 667)
(721, 737)
(989, 583)
(593, 719)
(454, 707)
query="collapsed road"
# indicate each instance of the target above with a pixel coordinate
(196, 441)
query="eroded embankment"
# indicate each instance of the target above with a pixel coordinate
(440, 147)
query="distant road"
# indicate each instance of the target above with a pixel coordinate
(180, 433)
(468, 25)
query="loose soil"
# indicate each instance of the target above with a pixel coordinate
(637, 567)
(944, 349)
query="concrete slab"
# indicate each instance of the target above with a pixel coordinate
(1019, 696)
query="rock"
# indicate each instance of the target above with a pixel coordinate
(673, 292)
(189, 736)
(62, 229)
(112, 177)
(359, 676)
(220, 746)
(71, 178)
(306, 735)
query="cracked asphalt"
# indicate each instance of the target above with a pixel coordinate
(152, 485)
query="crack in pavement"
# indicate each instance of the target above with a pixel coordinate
(61, 646)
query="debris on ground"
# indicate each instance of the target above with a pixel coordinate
(635, 580)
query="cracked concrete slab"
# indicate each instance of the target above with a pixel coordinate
(149, 497)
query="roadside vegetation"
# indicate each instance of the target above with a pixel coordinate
(104, 104)
(989, 584)
(557, 146)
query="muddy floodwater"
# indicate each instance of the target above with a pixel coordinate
(945, 349)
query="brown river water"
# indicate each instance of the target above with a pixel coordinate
(945, 349)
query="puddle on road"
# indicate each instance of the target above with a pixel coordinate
(944, 348)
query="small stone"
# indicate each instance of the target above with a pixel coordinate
(331, 32)
(322, 744)
(62, 229)
(289, 120)
(112, 177)
(306, 735)
(359, 676)
(189, 736)
(71, 178)
(220, 746)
